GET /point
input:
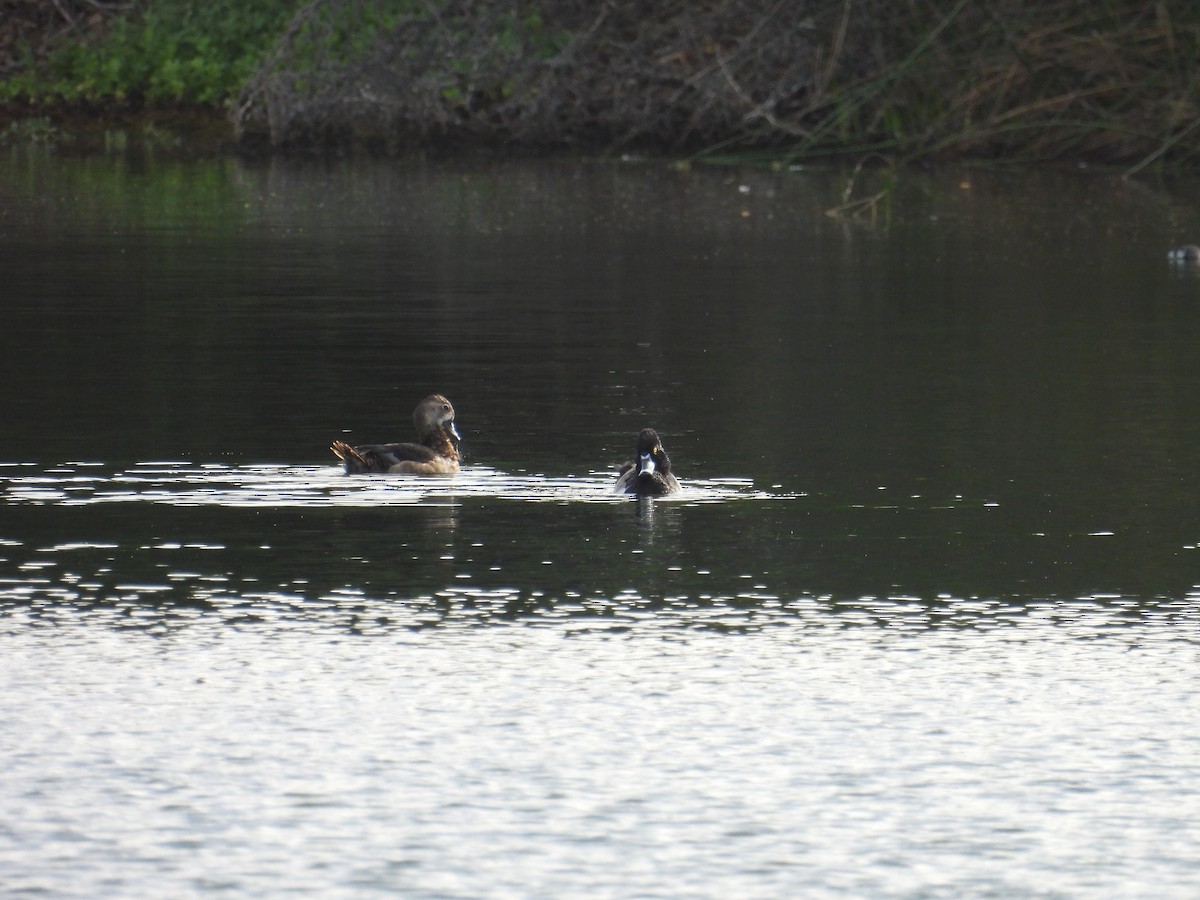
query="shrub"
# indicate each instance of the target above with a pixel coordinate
(165, 51)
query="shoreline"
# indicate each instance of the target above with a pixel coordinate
(775, 84)
(192, 131)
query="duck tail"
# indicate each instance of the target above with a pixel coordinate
(350, 457)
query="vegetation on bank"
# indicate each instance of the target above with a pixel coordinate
(780, 80)
(140, 51)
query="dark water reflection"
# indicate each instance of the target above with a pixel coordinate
(993, 396)
(921, 623)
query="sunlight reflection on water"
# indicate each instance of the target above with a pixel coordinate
(263, 756)
(187, 484)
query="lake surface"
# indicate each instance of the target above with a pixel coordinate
(923, 621)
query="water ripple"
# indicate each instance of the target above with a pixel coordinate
(273, 485)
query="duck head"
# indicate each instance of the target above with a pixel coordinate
(652, 459)
(435, 413)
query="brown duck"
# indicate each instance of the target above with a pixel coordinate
(436, 454)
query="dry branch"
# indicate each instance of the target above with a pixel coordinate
(1117, 80)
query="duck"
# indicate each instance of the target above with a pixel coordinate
(1187, 253)
(436, 454)
(649, 474)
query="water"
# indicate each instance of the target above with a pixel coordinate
(922, 622)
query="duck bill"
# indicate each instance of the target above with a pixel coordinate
(453, 431)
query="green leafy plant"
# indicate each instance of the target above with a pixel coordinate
(168, 51)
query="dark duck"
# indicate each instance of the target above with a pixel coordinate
(649, 474)
(435, 454)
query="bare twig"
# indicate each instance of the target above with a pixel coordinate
(1163, 148)
(784, 77)
(67, 17)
